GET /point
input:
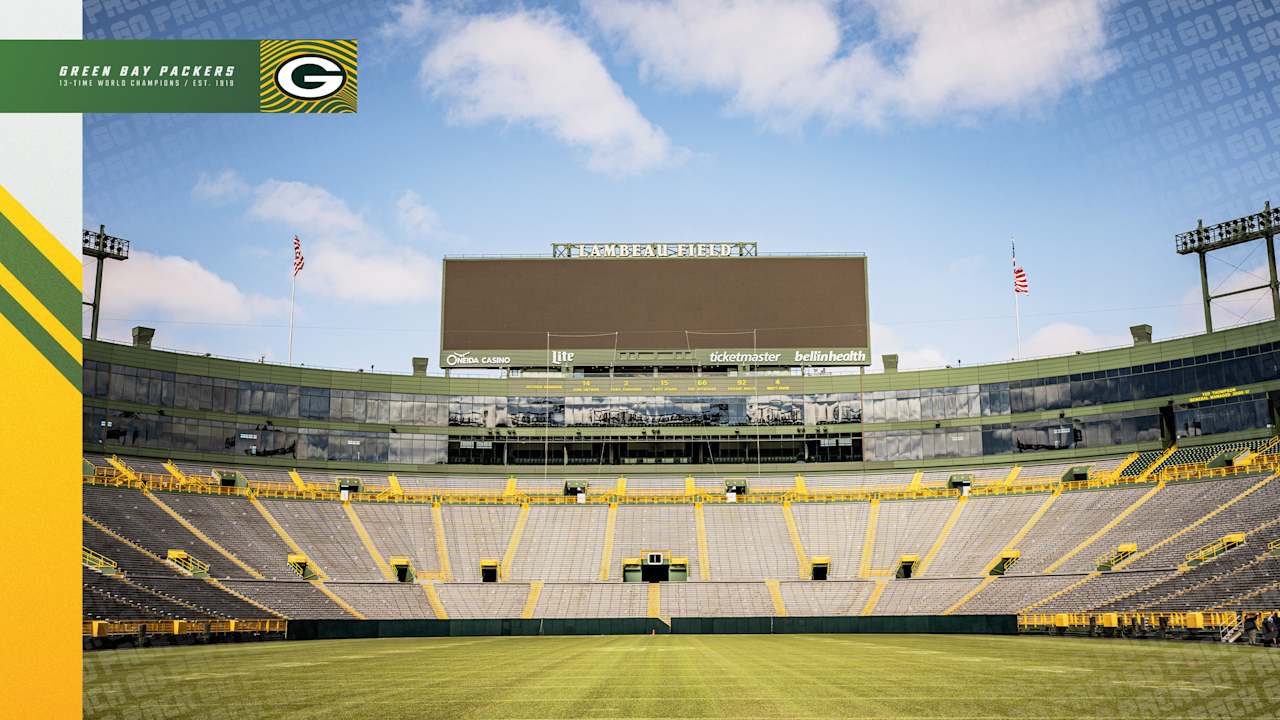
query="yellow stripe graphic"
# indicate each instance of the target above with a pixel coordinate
(55, 252)
(38, 525)
(40, 313)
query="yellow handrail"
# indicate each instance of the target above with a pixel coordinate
(1216, 548)
(96, 560)
(165, 483)
(191, 564)
(1217, 619)
(1025, 485)
(1259, 463)
(1267, 447)
(168, 626)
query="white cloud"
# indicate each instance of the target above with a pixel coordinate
(1066, 338)
(221, 189)
(409, 19)
(415, 217)
(308, 208)
(791, 61)
(394, 275)
(345, 257)
(886, 341)
(528, 67)
(168, 287)
(1003, 53)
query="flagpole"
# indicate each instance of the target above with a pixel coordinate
(1017, 324)
(1017, 315)
(293, 291)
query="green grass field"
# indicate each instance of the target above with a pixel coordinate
(688, 676)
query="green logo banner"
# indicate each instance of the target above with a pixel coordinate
(178, 76)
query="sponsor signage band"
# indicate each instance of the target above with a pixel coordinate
(597, 357)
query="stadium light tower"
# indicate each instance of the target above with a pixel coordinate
(1204, 240)
(102, 246)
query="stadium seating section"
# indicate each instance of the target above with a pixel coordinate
(1156, 531)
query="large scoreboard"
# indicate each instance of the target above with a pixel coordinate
(655, 306)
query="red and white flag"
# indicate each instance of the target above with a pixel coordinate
(1020, 285)
(298, 260)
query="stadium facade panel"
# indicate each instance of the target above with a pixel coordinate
(1220, 387)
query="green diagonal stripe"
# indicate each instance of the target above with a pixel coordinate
(41, 278)
(40, 339)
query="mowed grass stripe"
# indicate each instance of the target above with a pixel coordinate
(687, 676)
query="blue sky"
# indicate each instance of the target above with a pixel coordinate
(923, 134)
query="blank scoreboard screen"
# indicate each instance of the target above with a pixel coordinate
(533, 304)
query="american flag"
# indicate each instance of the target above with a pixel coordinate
(298, 260)
(1020, 285)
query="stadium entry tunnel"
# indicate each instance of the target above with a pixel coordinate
(819, 566)
(655, 566)
(402, 567)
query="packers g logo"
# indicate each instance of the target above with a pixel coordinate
(310, 77)
(314, 76)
